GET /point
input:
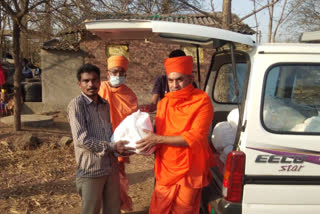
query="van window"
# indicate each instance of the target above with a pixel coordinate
(224, 89)
(292, 99)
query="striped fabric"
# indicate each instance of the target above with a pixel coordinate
(91, 131)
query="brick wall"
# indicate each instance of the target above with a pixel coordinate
(146, 62)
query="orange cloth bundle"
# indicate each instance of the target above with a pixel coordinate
(118, 61)
(187, 113)
(182, 64)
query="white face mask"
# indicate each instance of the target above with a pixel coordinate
(116, 81)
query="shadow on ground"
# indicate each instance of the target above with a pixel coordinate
(139, 177)
(145, 211)
(54, 187)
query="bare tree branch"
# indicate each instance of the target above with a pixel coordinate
(16, 6)
(26, 5)
(196, 9)
(200, 11)
(37, 4)
(7, 8)
(256, 11)
(279, 21)
(256, 20)
(270, 9)
(212, 6)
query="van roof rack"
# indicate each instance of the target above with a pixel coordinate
(311, 37)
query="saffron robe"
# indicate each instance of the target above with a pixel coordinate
(188, 113)
(122, 101)
(175, 199)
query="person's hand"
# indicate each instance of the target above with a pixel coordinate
(145, 108)
(153, 107)
(145, 144)
(122, 149)
(148, 107)
(127, 153)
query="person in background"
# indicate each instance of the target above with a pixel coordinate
(7, 99)
(183, 154)
(160, 87)
(97, 175)
(3, 93)
(2, 75)
(37, 72)
(3, 102)
(26, 70)
(123, 102)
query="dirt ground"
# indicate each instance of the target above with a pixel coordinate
(42, 180)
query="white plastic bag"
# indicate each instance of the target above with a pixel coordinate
(131, 130)
(233, 118)
(279, 116)
(311, 124)
(223, 135)
(225, 152)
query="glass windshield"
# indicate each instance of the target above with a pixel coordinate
(292, 98)
(224, 89)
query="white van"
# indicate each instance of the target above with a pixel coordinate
(274, 165)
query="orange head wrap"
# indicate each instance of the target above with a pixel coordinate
(181, 64)
(118, 61)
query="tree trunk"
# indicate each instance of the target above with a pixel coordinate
(2, 27)
(48, 21)
(24, 43)
(1, 36)
(17, 75)
(282, 17)
(271, 8)
(212, 6)
(257, 24)
(226, 14)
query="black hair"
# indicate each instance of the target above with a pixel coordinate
(177, 53)
(87, 68)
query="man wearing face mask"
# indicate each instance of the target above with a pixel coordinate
(123, 102)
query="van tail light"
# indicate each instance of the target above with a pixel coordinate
(233, 176)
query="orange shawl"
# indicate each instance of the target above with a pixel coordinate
(122, 101)
(187, 113)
